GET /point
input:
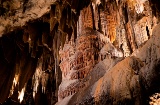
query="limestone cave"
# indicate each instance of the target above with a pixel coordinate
(79, 52)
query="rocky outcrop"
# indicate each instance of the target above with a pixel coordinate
(130, 81)
(16, 13)
(115, 87)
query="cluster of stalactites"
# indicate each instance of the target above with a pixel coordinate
(64, 15)
(40, 77)
(63, 21)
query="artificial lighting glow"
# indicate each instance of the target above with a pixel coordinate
(21, 94)
(34, 93)
(43, 89)
(15, 82)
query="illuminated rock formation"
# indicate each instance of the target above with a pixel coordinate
(79, 52)
(77, 61)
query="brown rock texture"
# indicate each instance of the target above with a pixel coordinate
(85, 52)
(76, 65)
(128, 82)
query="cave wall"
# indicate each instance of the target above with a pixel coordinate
(33, 32)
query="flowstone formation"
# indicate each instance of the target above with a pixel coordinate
(77, 61)
(86, 52)
(79, 58)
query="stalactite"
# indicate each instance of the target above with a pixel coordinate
(130, 29)
(41, 75)
(36, 79)
(38, 44)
